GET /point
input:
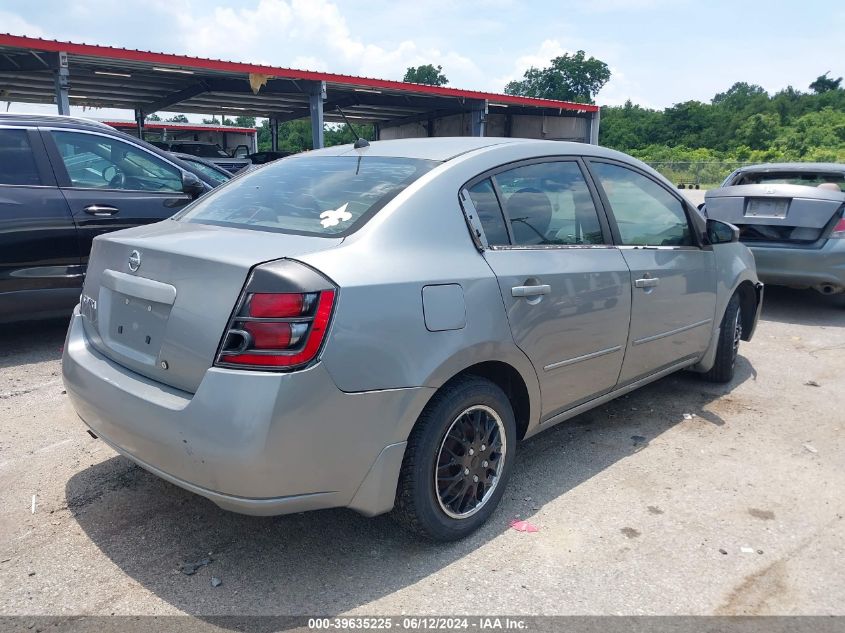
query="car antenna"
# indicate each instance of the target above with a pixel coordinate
(359, 142)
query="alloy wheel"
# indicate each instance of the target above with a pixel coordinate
(470, 461)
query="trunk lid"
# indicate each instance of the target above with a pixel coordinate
(776, 214)
(158, 298)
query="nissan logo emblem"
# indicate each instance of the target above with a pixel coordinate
(134, 261)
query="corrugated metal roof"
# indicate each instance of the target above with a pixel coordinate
(150, 60)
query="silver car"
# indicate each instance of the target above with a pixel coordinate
(377, 328)
(792, 216)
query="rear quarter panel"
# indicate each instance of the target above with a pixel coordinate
(734, 264)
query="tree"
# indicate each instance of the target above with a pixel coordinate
(426, 74)
(823, 83)
(245, 121)
(758, 131)
(630, 126)
(740, 96)
(294, 136)
(691, 123)
(152, 117)
(744, 123)
(569, 78)
(238, 121)
(178, 118)
(824, 129)
(340, 134)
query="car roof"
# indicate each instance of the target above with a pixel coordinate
(809, 167)
(447, 147)
(12, 118)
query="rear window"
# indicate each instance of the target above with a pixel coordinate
(203, 151)
(17, 164)
(808, 179)
(316, 195)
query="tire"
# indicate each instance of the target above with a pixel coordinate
(727, 346)
(468, 420)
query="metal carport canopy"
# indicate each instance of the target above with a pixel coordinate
(34, 70)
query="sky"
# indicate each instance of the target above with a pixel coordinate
(660, 52)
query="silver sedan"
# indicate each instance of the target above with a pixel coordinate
(792, 217)
(377, 328)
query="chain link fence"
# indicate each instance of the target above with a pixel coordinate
(696, 174)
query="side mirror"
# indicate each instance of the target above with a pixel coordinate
(721, 232)
(192, 185)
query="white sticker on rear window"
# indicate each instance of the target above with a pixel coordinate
(335, 217)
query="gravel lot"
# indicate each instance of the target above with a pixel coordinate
(736, 508)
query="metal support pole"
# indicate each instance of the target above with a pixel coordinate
(274, 134)
(479, 117)
(376, 131)
(139, 121)
(61, 76)
(317, 95)
(593, 127)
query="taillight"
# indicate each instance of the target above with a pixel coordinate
(282, 304)
(839, 229)
(272, 330)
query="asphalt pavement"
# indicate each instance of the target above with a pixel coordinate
(681, 498)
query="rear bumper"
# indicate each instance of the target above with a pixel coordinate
(802, 267)
(252, 442)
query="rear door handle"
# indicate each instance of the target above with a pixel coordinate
(531, 291)
(100, 210)
(648, 282)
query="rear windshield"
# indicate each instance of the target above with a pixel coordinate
(309, 195)
(203, 151)
(806, 178)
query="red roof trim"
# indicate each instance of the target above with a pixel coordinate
(170, 125)
(109, 52)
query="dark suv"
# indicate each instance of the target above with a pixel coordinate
(63, 181)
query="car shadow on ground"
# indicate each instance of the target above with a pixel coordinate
(332, 561)
(803, 307)
(32, 342)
